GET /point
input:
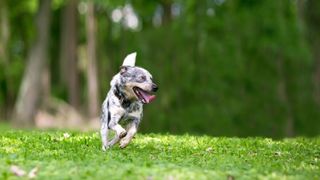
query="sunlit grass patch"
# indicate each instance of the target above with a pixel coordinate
(69, 154)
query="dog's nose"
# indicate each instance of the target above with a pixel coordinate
(154, 87)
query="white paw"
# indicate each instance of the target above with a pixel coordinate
(104, 147)
(124, 142)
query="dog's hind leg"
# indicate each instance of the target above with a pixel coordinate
(114, 141)
(105, 118)
(104, 135)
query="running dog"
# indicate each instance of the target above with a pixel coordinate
(130, 89)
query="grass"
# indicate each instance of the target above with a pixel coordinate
(154, 156)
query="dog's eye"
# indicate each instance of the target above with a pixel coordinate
(142, 78)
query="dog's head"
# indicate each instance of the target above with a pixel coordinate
(137, 82)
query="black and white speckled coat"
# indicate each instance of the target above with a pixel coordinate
(130, 89)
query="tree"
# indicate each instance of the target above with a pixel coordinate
(312, 17)
(166, 15)
(5, 32)
(29, 97)
(68, 52)
(4, 59)
(92, 64)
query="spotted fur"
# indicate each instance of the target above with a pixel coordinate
(121, 106)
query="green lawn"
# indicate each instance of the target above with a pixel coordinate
(154, 156)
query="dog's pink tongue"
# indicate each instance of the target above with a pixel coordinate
(147, 97)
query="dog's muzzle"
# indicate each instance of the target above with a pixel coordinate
(154, 88)
(143, 95)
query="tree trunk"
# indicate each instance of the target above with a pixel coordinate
(93, 99)
(167, 15)
(68, 52)
(312, 19)
(4, 58)
(316, 76)
(46, 83)
(284, 97)
(29, 96)
(5, 32)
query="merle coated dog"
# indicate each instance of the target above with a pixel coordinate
(130, 89)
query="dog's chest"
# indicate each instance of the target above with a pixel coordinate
(133, 110)
(131, 113)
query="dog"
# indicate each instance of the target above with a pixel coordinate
(132, 87)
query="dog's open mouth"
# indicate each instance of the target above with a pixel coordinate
(144, 96)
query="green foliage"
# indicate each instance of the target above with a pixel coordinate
(156, 156)
(219, 73)
(228, 68)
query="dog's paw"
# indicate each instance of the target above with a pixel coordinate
(122, 134)
(104, 148)
(124, 142)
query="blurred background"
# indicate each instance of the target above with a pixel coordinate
(224, 67)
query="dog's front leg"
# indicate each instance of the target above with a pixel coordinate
(131, 131)
(120, 132)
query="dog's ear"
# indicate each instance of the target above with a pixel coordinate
(130, 60)
(123, 69)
